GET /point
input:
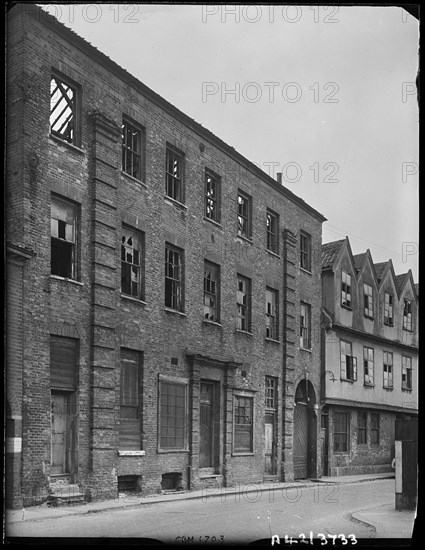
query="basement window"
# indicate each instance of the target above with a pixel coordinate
(127, 484)
(63, 224)
(63, 110)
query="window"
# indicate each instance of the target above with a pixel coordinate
(305, 251)
(63, 223)
(305, 326)
(368, 365)
(173, 278)
(132, 138)
(63, 109)
(211, 292)
(243, 301)
(348, 362)
(388, 369)
(212, 196)
(406, 373)
(271, 314)
(388, 309)
(361, 428)
(174, 175)
(374, 428)
(345, 289)
(340, 432)
(272, 222)
(130, 428)
(244, 215)
(132, 263)
(407, 315)
(271, 393)
(243, 424)
(173, 415)
(368, 300)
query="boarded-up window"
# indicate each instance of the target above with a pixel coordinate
(130, 429)
(63, 362)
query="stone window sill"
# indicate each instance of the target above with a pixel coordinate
(67, 144)
(131, 453)
(66, 280)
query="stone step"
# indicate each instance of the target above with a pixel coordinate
(65, 494)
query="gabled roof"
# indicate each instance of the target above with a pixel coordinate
(359, 259)
(379, 269)
(399, 280)
(330, 252)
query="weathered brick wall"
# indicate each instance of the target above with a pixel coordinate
(92, 308)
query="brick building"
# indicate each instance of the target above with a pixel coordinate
(163, 293)
(370, 359)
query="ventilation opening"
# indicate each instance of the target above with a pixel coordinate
(127, 484)
(172, 481)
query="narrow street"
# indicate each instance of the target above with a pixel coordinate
(243, 517)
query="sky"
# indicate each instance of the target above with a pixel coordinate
(325, 95)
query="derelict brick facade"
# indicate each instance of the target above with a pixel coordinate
(90, 308)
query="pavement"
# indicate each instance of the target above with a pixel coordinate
(384, 520)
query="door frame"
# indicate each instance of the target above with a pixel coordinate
(71, 446)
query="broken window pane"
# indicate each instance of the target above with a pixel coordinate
(131, 150)
(63, 238)
(62, 110)
(212, 189)
(244, 215)
(243, 304)
(211, 286)
(173, 183)
(173, 278)
(271, 317)
(131, 254)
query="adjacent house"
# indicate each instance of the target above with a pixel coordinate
(369, 359)
(163, 293)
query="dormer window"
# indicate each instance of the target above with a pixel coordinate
(388, 309)
(345, 289)
(407, 315)
(368, 301)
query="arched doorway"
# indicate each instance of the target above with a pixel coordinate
(305, 431)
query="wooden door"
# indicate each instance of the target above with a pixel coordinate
(300, 440)
(269, 444)
(206, 435)
(60, 433)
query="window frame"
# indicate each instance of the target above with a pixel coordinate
(305, 252)
(177, 284)
(237, 449)
(215, 268)
(127, 150)
(272, 231)
(388, 378)
(352, 363)
(135, 359)
(362, 429)
(272, 316)
(246, 216)
(375, 436)
(245, 318)
(408, 318)
(173, 182)
(389, 309)
(368, 308)
(75, 108)
(406, 373)
(305, 325)
(345, 433)
(140, 237)
(209, 199)
(271, 393)
(55, 240)
(172, 415)
(369, 366)
(346, 290)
